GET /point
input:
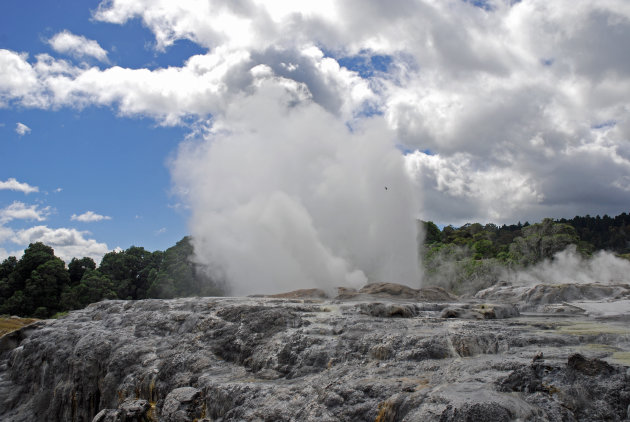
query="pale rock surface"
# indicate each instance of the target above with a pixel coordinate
(382, 353)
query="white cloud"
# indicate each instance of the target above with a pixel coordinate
(203, 86)
(523, 108)
(12, 184)
(18, 79)
(77, 45)
(5, 233)
(21, 129)
(160, 231)
(67, 243)
(20, 211)
(88, 217)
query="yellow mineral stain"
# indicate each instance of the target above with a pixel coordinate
(590, 328)
(622, 358)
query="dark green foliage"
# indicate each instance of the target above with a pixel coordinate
(608, 233)
(78, 267)
(20, 290)
(35, 255)
(45, 285)
(93, 287)
(179, 276)
(432, 232)
(40, 285)
(129, 270)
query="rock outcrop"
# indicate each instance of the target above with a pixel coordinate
(382, 353)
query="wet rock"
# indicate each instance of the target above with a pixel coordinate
(586, 388)
(390, 310)
(553, 298)
(497, 311)
(558, 293)
(396, 291)
(528, 379)
(389, 290)
(182, 405)
(590, 367)
(128, 411)
(481, 311)
(489, 412)
(301, 294)
(460, 312)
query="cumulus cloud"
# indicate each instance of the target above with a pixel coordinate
(19, 79)
(514, 111)
(67, 243)
(202, 87)
(519, 89)
(20, 211)
(12, 184)
(78, 46)
(5, 233)
(89, 216)
(21, 129)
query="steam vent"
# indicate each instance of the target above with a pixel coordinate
(383, 353)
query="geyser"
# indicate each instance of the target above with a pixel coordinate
(284, 195)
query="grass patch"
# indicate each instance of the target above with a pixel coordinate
(8, 324)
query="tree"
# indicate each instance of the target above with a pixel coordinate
(6, 269)
(93, 287)
(179, 276)
(28, 286)
(44, 287)
(542, 241)
(78, 267)
(35, 255)
(432, 232)
(483, 248)
(129, 271)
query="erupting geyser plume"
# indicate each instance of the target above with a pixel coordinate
(285, 195)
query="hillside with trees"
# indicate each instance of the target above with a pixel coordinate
(475, 256)
(463, 259)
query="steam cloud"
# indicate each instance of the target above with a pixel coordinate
(569, 267)
(284, 195)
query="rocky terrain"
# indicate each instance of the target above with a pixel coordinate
(383, 353)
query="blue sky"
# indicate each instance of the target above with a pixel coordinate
(89, 159)
(148, 120)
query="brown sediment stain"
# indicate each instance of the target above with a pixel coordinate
(152, 391)
(203, 413)
(386, 412)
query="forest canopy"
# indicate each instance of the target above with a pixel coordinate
(39, 284)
